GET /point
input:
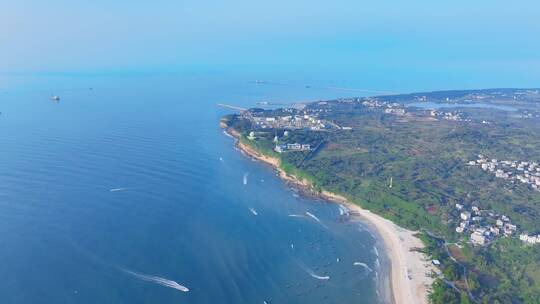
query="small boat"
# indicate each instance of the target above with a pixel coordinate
(54, 98)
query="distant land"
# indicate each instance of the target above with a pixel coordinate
(461, 168)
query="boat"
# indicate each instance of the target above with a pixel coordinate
(54, 98)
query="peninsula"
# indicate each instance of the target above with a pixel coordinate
(450, 180)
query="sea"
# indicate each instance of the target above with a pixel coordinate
(127, 191)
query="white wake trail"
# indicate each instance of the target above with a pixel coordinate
(312, 273)
(158, 280)
(118, 189)
(363, 265)
(313, 216)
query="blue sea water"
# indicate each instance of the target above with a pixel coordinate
(134, 178)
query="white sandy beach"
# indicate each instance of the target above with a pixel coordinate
(410, 281)
(410, 269)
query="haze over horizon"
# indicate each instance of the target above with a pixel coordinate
(384, 45)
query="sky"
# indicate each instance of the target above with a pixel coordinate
(442, 43)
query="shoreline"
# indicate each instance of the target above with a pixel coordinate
(408, 269)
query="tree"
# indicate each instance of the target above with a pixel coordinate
(464, 298)
(450, 272)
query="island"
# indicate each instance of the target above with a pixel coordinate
(450, 180)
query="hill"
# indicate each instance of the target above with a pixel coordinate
(461, 166)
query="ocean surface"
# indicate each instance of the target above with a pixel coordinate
(127, 191)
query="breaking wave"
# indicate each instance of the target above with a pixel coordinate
(227, 134)
(343, 210)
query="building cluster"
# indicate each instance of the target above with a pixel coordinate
(395, 111)
(524, 172)
(288, 121)
(281, 148)
(389, 107)
(530, 114)
(483, 226)
(531, 239)
(446, 115)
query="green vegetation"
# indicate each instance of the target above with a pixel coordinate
(426, 160)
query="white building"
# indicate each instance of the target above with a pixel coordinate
(509, 228)
(294, 146)
(478, 238)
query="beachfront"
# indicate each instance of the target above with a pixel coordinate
(410, 269)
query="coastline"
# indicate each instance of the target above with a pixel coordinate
(408, 267)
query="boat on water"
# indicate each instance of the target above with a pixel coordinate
(54, 97)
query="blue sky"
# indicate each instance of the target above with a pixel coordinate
(482, 42)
